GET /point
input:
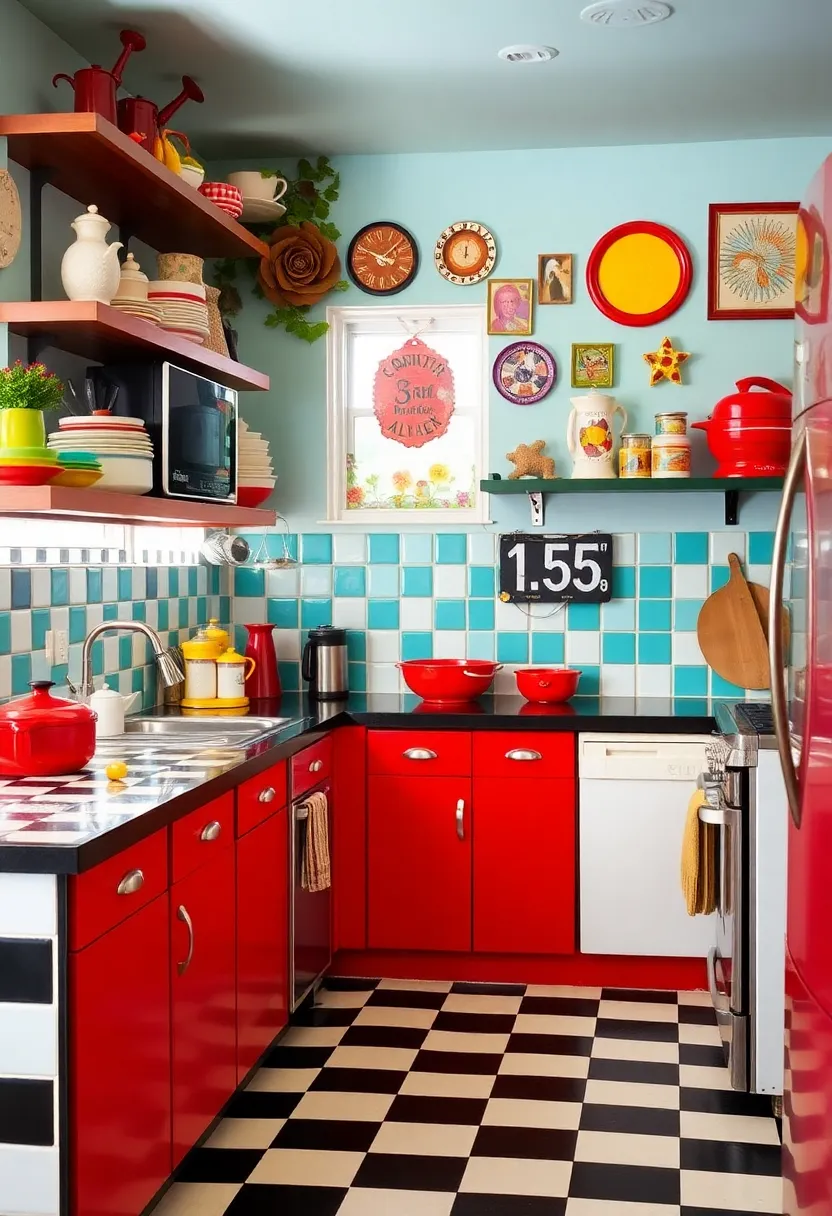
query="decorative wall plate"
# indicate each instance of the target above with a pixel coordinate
(465, 253)
(382, 258)
(639, 273)
(10, 219)
(524, 373)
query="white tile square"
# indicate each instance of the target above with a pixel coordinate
(624, 549)
(41, 586)
(508, 618)
(417, 548)
(151, 610)
(162, 582)
(504, 681)
(95, 614)
(29, 1040)
(6, 587)
(349, 613)
(21, 621)
(686, 649)
(29, 1180)
(109, 582)
(449, 582)
(723, 543)
(350, 548)
(283, 584)
(124, 610)
(482, 548)
(583, 647)
(78, 585)
(140, 581)
(316, 580)
(618, 680)
(59, 618)
(198, 1199)
(27, 905)
(40, 668)
(618, 616)
(383, 646)
(382, 677)
(5, 676)
(654, 681)
(111, 642)
(449, 643)
(690, 582)
(287, 644)
(758, 574)
(247, 608)
(549, 618)
(416, 612)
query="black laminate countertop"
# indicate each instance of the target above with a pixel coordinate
(65, 825)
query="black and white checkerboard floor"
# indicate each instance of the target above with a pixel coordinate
(398, 1098)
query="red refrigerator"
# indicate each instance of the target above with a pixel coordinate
(803, 720)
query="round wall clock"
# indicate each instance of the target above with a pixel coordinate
(382, 258)
(524, 373)
(639, 273)
(465, 253)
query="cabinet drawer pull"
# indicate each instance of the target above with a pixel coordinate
(316, 766)
(419, 753)
(211, 831)
(182, 914)
(266, 795)
(132, 882)
(460, 818)
(523, 753)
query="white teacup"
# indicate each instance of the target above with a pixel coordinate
(252, 184)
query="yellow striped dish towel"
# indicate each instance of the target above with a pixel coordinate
(699, 860)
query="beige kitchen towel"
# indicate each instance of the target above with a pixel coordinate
(316, 870)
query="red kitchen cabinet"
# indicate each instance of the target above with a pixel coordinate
(202, 916)
(524, 865)
(419, 863)
(262, 938)
(120, 1065)
(349, 831)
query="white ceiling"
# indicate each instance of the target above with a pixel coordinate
(396, 75)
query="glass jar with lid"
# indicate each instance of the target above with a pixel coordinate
(634, 456)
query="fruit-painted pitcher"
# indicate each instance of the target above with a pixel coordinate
(590, 437)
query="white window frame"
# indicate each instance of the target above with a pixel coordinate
(398, 321)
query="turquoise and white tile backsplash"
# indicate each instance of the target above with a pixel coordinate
(422, 595)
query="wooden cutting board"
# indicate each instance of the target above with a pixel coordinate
(731, 634)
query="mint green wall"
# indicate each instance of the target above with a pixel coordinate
(538, 202)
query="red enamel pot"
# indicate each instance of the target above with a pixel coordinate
(44, 735)
(547, 685)
(448, 681)
(749, 432)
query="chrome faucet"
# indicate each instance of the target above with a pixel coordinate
(169, 669)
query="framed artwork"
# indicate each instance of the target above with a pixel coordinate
(524, 373)
(752, 251)
(592, 365)
(554, 278)
(510, 306)
(639, 273)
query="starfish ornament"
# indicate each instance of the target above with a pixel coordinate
(665, 363)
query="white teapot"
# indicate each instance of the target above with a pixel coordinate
(89, 268)
(590, 436)
(111, 707)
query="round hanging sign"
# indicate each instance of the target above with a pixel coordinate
(413, 394)
(524, 372)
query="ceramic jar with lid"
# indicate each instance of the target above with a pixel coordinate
(634, 456)
(232, 671)
(89, 268)
(671, 456)
(675, 423)
(200, 654)
(133, 283)
(216, 633)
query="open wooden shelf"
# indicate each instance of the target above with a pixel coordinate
(61, 502)
(87, 157)
(107, 335)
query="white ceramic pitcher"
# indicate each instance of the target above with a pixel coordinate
(590, 436)
(90, 269)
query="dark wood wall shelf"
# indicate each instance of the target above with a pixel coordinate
(61, 502)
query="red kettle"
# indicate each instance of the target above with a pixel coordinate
(140, 116)
(95, 87)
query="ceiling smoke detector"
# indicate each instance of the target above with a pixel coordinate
(525, 52)
(618, 14)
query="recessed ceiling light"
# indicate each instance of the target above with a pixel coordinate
(525, 52)
(620, 13)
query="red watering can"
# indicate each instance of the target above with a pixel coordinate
(95, 87)
(137, 114)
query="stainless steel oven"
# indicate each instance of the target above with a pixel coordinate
(310, 912)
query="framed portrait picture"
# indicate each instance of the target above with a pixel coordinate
(510, 306)
(751, 261)
(554, 278)
(592, 365)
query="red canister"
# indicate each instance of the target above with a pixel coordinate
(42, 735)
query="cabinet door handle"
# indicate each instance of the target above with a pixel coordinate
(316, 766)
(266, 795)
(183, 915)
(419, 753)
(211, 831)
(132, 882)
(523, 753)
(460, 818)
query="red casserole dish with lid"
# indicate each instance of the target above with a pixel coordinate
(448, 681)
(42, 735)
(749, 433)
(547, 684)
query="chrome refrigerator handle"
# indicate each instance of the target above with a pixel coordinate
(779, 709)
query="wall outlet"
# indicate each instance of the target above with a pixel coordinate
(57, 646)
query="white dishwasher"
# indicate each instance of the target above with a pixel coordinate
(633, 800)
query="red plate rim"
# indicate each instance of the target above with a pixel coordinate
(649, 228)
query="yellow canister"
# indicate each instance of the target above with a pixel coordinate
(200, 654)
(217, 634)
(634, 457)
(233, 670)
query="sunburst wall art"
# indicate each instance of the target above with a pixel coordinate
(751, 261)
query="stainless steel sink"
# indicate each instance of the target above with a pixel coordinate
(238, 729)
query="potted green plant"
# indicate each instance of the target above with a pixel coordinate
(25, 392)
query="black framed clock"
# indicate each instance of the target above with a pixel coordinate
(382, 258)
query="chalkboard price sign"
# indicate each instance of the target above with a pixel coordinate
(556, 569)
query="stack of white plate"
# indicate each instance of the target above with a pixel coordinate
(137, 308)
(181, 308)
(255, 472)
(121, 445)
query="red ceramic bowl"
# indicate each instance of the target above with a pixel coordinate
(547, 684)
(29, 474)
(448, 681)
(252, 496)
(759, 448)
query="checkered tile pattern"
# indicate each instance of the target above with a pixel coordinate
(398, 1098)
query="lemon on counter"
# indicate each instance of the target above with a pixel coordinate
(116, 770)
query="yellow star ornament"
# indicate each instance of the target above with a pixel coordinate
(665, 363)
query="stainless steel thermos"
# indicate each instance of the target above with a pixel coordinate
(325, 663)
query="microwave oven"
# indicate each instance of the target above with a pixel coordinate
(192, 422)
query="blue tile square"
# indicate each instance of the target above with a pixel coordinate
(60, 585)
(173, 581)
(22, 588)
(623, 582)
(417, 645)
(481, 581)
(357, 677)
(451, 549)
(193, 580)
(691, 548)
(654, 615)
(98, 657)
(512, 648)
(289, 675)
(136, 682)
(40, 623)
(6, 632)
(316, 548)
(417, 580)
(247, 581)
(449, 614)
(719, 577)
(547, 648)
(619, 614)
(125, 652)
(356, 645)
(283, 613)
(654, 648)
(315, 612)
(722, 688)
(184, 611)
(590, 682)
(686, 614)
(654, 548)
(225, 608)
(417, 548)
(382, 614)
(690, 681)
(151, 576)
(618, 647)
(163, 616)
(583, 616)
(138, 611)
(481, 614)
(125, 583)
(481, 646)
(110, 612)
(21, 673)
(350, 581)
(383, 582)
(760, 548)
(654, 582)
(384, 548)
